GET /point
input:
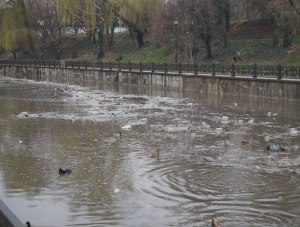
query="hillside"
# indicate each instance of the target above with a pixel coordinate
(253, 41)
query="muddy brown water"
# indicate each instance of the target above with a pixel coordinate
(203, 170)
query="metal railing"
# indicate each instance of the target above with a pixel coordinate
(230, 70)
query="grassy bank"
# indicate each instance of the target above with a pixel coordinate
(252, 40)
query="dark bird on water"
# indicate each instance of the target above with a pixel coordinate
(64, 171)
(275, 148)
(28, 224)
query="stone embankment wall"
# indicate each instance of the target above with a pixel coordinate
(284, 89)
(7, 218)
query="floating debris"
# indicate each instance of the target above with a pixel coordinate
(218, 131)
(126, 127)
(205, 125)
(251, 121)
(156, 154)
(117, 190)
(225, 120)
(294, 132)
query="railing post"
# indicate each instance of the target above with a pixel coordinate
(166, 68)
(110, 67)
(78, 64)
(119, 65)
(101, 65)
(152, 67)
(254, 71)
(179, 68)
(195, 69)
(129, 66)
(213, 73)
(279, 72)
(232, 70)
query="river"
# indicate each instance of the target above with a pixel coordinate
(213, 160)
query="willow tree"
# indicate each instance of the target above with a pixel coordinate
(286, 16)
(69, 21)
(16, 31)
(90, 18)
(137, 15)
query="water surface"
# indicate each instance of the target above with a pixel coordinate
(204, 170)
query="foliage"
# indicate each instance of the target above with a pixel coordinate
(15, 29)
(205, 27)
(90, 17)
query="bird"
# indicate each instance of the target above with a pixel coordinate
(28, 224)
(117, 139)
(245, 141)
(64, 171)
(275, 148)
(213, 223)
(156, 154)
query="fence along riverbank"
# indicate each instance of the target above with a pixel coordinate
(268, 81)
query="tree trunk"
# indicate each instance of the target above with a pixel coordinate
(275, 40)
(112, 33)
(225, 39)
(208, 47)
(100, 43)
(94, 37)
(287, 31)
(75, 47)
(14, 54)
(139, 38)
(227, 15)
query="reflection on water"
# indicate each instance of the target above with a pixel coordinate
(204, 170)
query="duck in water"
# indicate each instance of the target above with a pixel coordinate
(155, 155)
(275, 148)
(213, 223)
(64, 171)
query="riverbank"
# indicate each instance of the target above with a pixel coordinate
(235, 80)
(252, 40)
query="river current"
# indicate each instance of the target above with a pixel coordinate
(213, 160)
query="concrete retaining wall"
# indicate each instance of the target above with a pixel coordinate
(218, 85)
(7, 218)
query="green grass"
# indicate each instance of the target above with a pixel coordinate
(269, 42)
(296, 39)
(252, 39)
(147, 55)
(292, 61)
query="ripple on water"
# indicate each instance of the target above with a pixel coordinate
(204, 190)
(204, 171)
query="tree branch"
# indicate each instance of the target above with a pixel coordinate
(292, 3)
